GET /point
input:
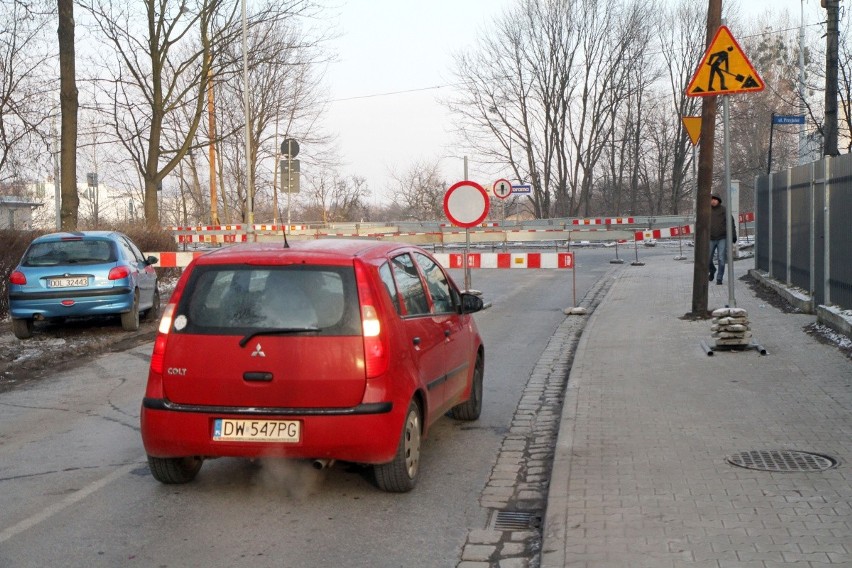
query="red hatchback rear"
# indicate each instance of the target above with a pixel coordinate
(326, 350)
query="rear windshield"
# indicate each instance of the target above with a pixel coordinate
(241, 299)
(80, 251)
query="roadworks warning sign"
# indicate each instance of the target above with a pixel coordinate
(724, 70)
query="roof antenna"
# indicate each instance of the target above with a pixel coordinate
(284, 232)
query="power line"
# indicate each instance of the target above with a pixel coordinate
(390, 93)
(436, 87)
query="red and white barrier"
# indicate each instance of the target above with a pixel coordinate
(604, 221)
(556, 260)
(507, 260)
(281, 227)
(664, 233)
(202, 228)
(212, 238)
(174, 259)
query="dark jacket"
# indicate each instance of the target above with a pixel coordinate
(718, 229)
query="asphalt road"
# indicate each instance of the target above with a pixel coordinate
(75, 488)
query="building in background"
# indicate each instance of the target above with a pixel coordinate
(17, 212)
(99, 204)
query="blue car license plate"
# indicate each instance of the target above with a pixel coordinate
(70, 282)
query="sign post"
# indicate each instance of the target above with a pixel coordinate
(502, 189)
(466, 205)
(725, 70)
(290, 148)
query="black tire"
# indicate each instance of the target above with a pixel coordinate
(472, 407)
(173, 471)
(130, 320)
(22, 328)
(400, 475)
(154, 311)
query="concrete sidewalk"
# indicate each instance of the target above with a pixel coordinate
(640, 474)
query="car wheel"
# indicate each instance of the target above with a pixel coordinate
(130, 320)
(22, 328)
(400, 475)
(472, 407)
(174, 470)
(152, 312)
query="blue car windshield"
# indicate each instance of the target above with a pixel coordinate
(82, 251)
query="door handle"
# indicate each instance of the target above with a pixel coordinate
(259, 377)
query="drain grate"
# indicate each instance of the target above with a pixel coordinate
(516, 521)
(782, 461)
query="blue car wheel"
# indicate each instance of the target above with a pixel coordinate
(22, 328)
(130, 320)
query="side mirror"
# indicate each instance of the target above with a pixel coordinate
(152, 260)
(471, 303)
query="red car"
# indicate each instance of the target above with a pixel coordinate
(324, 349)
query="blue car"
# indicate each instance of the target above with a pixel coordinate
(80, 274)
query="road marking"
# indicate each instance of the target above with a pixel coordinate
(75, 497)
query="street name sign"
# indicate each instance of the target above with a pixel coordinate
(788, 119)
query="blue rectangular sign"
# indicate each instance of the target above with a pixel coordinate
(788, 119)
(523, 188)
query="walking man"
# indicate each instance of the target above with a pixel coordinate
(719, 237)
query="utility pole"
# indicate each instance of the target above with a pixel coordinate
(802, 145)
(211, 134)
(832, 7)
(705, 180)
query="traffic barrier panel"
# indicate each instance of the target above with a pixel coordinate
(174, 259)
(604, 221)
(664, 233)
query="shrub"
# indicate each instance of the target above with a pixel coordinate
(12, 247)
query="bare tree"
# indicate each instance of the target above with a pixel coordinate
(419, 191)
(681, 38)
(24, 86)
(284, 96)
(334, 199)
(551, 78)
(158, 73)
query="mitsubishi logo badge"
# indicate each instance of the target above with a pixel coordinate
(258, 352)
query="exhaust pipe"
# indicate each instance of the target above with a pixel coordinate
(322, 463)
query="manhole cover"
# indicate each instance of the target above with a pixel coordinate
(782, 461)
(516, 521)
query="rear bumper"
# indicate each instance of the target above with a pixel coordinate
(86, 303)
(368, 433)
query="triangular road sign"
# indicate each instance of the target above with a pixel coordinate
(693, 127)
(724, 70)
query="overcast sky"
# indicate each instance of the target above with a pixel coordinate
(394, 66)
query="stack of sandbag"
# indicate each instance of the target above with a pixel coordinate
(730, 327)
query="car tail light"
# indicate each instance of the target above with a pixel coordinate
(376, 355)
(119, 272)
(158, 356)
(18, 277)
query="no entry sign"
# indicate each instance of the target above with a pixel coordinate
(466, 204)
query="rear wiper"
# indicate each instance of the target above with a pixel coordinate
(276, 331)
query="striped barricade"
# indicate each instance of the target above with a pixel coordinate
(507, 260)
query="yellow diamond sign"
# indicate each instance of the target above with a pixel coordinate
(724, 70)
